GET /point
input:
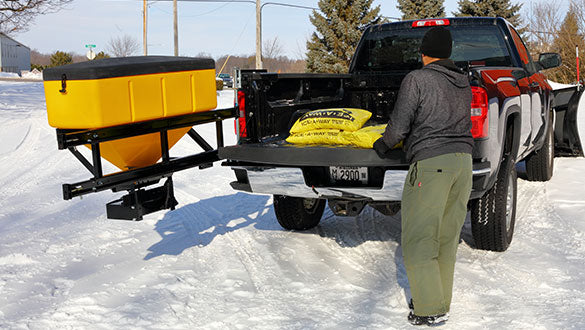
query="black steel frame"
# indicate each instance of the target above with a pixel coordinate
(139, 202)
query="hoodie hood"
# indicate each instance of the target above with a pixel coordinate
(453, 74)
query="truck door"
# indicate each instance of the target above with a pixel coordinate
(529, 94)
(565, 105)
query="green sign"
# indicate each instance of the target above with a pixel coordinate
(89, 46)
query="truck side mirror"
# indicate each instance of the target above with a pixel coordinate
(549, 60)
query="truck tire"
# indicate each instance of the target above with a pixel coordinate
(493, 215)
(540, 163)
(295, 213)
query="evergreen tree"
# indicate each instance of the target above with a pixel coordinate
(567, 37)
(37, 66)
(415, 9)
(101, 55)
(492, 8)
(337, 33)
(59, 58)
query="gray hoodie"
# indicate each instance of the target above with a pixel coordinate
(432, 113)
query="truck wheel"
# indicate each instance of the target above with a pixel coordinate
(298, 213)
(493, 215)
(540, 163)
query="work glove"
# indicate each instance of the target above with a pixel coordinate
(381, 148)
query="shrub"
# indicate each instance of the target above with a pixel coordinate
(59, 58)
(38, 67)
(219, 84)
(101, 55)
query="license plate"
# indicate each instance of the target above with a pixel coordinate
(349, 174)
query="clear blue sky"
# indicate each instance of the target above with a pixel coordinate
(212, 28)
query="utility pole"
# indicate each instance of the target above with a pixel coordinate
(144, 13)
(175, 27)
(258, 35)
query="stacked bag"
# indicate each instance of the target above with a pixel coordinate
(336, 127)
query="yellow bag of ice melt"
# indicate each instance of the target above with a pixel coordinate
(341, 119)
(321, 136)
(366, 136)
(362, 138)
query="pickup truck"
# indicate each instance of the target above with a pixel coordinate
(513, 114)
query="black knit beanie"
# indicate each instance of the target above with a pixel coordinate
(437, 43)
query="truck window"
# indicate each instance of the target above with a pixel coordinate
(524, 57)
(523, 52)
(399, 49)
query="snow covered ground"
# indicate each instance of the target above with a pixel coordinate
(220, 260)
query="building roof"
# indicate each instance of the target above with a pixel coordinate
(2, 35)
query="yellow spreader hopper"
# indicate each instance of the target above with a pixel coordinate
(118, 91)
(131, 111)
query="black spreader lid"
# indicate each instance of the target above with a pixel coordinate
(126, 66)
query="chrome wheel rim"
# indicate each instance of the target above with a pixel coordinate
(309, 204)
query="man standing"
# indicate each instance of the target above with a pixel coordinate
(432, 115)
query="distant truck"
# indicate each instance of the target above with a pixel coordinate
(512, 114)
(227, 80)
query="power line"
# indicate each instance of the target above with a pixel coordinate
(250, 1)
(259, 8)
(191, 16)
(229, 1)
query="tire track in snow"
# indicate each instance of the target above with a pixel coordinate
(535, 261)
(34, 164)
(540, 219)
(19, 155)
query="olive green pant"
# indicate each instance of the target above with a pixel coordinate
(434, 207)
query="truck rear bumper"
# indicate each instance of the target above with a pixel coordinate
(290, 181)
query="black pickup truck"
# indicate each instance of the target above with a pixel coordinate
(513, 112)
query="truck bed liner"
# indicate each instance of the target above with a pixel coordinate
(294, 155)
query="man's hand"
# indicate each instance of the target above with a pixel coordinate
(381, 148)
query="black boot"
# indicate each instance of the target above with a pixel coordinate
(433, 320)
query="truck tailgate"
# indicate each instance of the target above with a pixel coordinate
(293, 155)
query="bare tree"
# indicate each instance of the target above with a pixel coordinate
(552, 30)
(569, 36)
(544, 18)
(271, 50)
(16, 15)
(123, 46)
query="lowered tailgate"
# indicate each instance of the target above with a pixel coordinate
(283, 154)
(316, 171)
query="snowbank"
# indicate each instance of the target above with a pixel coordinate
(34, 74)
(9, 75)
(25, 75)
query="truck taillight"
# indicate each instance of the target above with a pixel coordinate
(431, 22)
(479, 112)
(241, 120)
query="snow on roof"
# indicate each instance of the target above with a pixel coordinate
(9, 75)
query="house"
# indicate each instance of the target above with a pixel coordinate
(14, 56)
